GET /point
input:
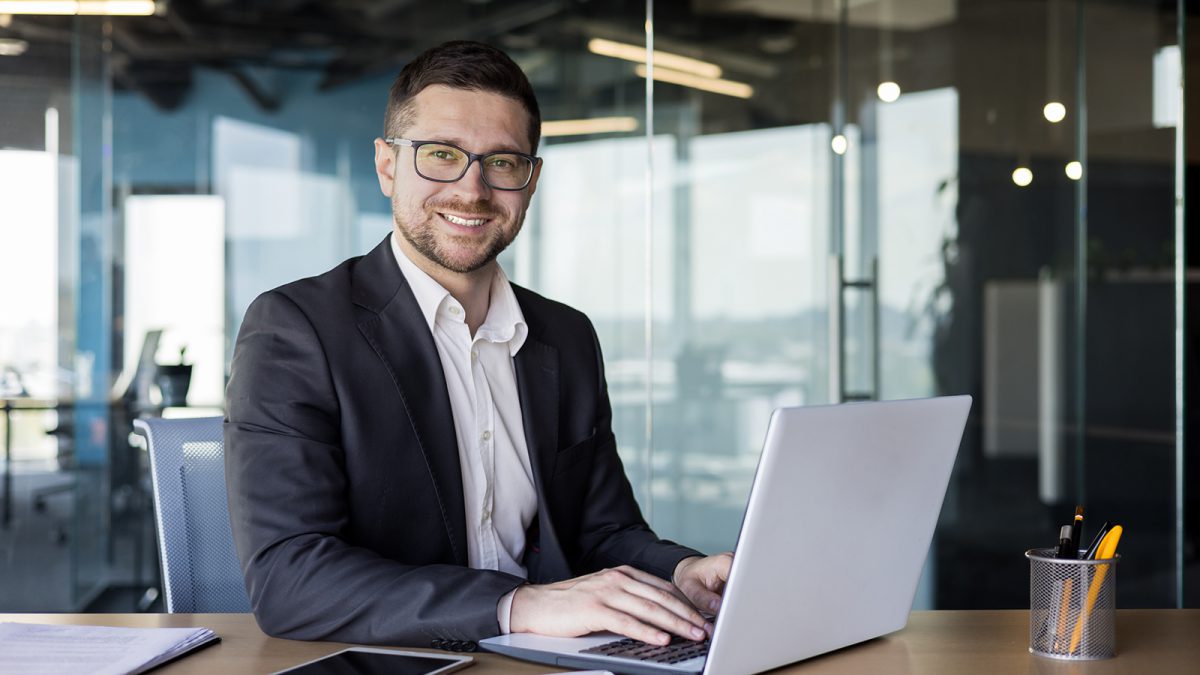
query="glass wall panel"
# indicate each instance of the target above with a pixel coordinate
(1126, 444)
(822, 202)
(55, 344)
(999, 208)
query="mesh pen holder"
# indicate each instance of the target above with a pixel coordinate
(1072, 606)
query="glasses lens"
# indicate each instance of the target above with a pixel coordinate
(507, 171)
(440, 162)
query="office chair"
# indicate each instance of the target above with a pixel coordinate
(200, 569)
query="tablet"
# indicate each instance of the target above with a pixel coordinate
(367, 661)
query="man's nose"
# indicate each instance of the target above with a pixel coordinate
(472, 183)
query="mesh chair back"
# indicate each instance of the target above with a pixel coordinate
(201, 572)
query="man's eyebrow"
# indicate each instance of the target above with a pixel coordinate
(455, 141)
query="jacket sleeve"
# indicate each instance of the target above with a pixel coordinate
(613, 531)
(286, 476)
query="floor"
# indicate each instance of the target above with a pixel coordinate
(73, 555)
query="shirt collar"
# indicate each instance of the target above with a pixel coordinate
(504, 321)
(428, 292)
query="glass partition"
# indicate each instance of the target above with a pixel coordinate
(781, 203)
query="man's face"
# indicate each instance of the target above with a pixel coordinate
(459, 226)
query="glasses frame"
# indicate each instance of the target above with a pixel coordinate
(471, 159)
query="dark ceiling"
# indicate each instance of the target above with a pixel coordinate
(786, 49)
(348, 39)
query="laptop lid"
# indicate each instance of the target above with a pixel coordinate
(841, 512)
(837, 528)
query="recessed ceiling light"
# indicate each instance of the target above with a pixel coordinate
(888, 91)
(637, 54)
(12, 47)
(69, 7)
(594, 125)
(1054, 112)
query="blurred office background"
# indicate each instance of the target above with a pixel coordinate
(810, 201)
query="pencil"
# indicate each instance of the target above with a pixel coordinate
(1060, 635)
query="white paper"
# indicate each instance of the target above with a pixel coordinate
(41, 649)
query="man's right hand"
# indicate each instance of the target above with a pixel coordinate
(623, 600)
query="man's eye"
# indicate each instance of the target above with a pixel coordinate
(442, 154)
(503, 163)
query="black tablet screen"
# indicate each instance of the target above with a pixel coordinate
(372, 663)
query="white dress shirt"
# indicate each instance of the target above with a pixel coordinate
(498, 493)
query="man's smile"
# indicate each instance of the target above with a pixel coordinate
(462, 221)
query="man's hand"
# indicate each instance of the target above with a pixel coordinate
(702, 580)
(623, 600)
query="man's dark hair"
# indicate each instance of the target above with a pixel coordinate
(461, 64)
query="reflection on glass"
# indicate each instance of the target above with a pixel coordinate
(777, 155)
(182, 295)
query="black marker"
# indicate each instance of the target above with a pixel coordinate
(1064, 543)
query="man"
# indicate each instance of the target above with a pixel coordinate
(419, 452)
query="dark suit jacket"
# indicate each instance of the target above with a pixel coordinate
(345, 491)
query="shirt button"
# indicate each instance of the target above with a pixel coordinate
(474, 355)
(487, 435)
(454, 310)
(486, 515)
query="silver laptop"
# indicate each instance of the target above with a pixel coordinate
(835, 533)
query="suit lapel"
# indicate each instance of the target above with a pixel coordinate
(397, 331)
(537, 371)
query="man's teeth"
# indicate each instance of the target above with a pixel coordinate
(474, 222)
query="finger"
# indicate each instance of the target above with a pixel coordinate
(724, 564)
(630, 626)
(674, 601)
(652, 580)
(702, 597)
(692, 612)
(648, 611)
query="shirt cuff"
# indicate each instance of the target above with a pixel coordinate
(504, 611)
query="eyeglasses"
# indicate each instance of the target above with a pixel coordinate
(443, 162)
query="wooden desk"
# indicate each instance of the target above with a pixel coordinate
(1148, 641)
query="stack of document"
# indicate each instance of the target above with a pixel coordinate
(42, 649)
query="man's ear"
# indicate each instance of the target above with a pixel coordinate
(385, 167)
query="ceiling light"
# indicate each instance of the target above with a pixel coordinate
(1022, 176)
(715, 85)
(888, 91)
(1074, 170)
(628, 52)
(595, 125)
(85, 7)
(1055, 112)
(12, 47)
(839, 144)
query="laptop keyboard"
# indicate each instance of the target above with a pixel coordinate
(676, 651)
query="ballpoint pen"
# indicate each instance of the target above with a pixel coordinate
(1090, 552)
(1108, 548)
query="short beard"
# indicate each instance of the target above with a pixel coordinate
(424, 238)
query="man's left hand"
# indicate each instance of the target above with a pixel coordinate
(702, 580)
